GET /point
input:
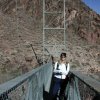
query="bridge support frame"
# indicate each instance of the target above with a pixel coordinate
(52, 28)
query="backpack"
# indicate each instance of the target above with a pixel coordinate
(58, 66)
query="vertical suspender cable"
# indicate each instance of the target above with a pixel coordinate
(17, 27)
(64, 24)
(43, 27)
(16, 15)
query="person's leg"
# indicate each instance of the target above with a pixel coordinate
(56, 86)
(63, 86)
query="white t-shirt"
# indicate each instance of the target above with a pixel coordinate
(62, 69)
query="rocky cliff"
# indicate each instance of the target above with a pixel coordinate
(79, 18)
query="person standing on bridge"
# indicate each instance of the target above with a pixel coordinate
(61, 70)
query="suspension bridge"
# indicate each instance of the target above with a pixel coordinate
(36, 84)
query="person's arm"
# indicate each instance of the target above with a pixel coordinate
(67, 71)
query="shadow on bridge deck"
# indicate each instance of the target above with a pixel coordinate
(97, 97)
(47, 96)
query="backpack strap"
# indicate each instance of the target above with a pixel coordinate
(57, 68)
(66, 66)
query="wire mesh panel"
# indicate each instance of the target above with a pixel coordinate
(72, 90)
(57, 5)
(82, 87)
(53, 37)
(54, 20)
(86, 92)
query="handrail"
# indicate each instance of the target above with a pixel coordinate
(14, 83)
(92, 83)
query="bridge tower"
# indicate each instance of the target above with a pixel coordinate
(51, 32)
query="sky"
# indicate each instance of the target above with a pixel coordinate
(94, 4)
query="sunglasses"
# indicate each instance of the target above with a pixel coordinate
(63, 57)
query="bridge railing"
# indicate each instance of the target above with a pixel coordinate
(82, 87)
(29, 86)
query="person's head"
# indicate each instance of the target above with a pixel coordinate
(63, 56)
